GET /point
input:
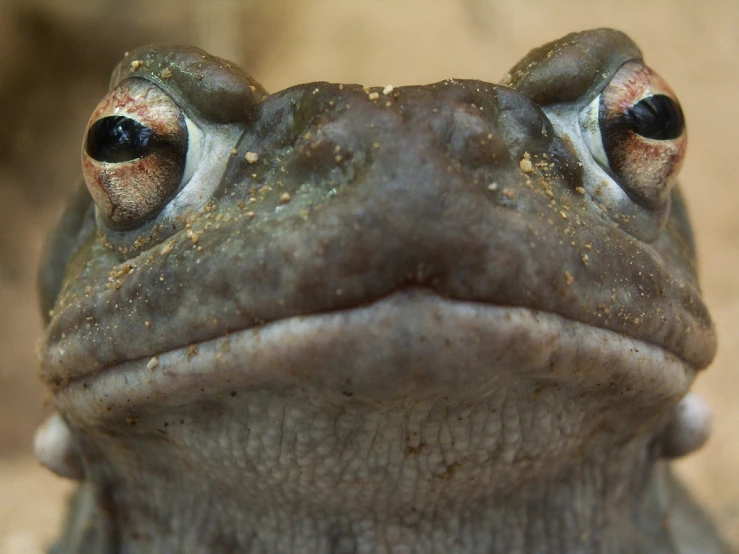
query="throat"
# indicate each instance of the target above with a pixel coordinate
(524, 469)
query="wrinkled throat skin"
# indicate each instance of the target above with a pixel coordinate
(459, 317)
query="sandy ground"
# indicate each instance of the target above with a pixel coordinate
(53, 68)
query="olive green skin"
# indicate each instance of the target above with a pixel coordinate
(414, 173)
(354, 197)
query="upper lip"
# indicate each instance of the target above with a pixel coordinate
(412, 343)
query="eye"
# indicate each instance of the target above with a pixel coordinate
(656, 117)
(118, 138)
(139, 148)
(636, 130)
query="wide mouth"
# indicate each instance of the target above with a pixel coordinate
(412, 344)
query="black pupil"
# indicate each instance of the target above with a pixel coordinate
(656, 117)
(118, 139)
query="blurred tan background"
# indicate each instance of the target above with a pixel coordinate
(55, 57)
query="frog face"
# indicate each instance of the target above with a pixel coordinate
(358, 250)
(219, 207)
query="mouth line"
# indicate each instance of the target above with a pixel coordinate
(412, 343)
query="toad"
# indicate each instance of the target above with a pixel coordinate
(457, 318)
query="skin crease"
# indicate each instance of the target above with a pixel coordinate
(408, 320)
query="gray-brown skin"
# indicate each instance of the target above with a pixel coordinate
(387, 334)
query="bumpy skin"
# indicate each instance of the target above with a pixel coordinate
(421, 347)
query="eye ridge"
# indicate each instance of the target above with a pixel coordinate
(117, 139)
(656, 117)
